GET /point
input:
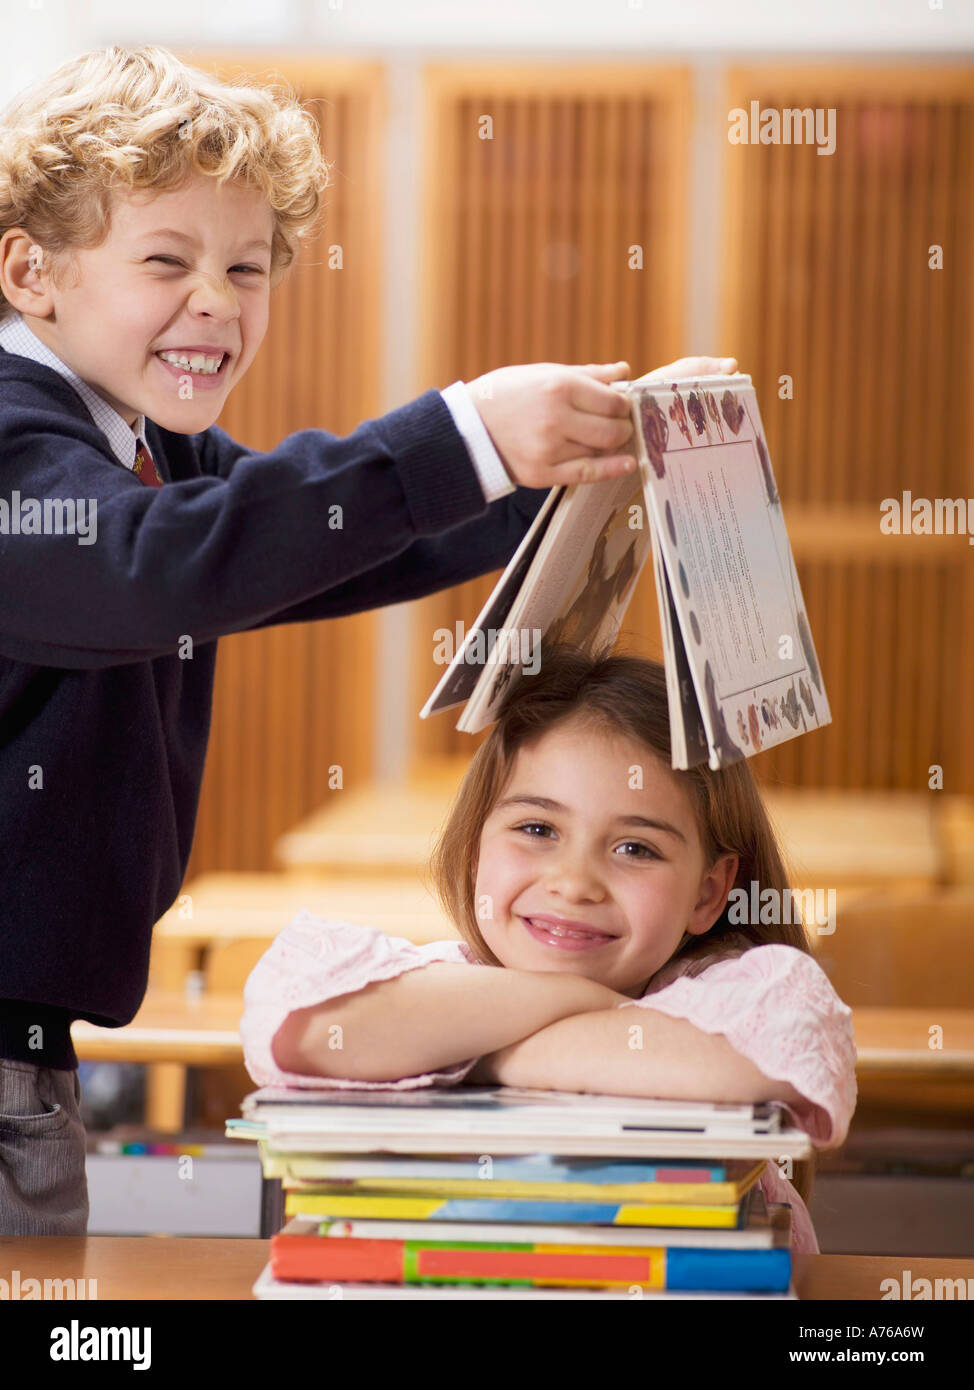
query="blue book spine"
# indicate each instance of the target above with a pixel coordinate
(524, 1209)
(753, 1271)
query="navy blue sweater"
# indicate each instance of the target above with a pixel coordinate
(103, 724)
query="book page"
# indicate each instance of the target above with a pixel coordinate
(464, 672)
(688, 737)
(577, 588)
(728, 560)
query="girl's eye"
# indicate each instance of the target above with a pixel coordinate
(636, 844)
(529, 827)
(533, 825)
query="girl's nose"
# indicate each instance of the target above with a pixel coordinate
(574, 881)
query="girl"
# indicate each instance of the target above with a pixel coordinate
(598, 878)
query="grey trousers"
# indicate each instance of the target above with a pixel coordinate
(43, 1185)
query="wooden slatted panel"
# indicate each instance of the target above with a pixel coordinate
(293, 700)
(526, 246)
(826, 280)
(889, 631)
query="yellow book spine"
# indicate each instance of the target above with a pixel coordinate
(703, 1194)
(421, 1208)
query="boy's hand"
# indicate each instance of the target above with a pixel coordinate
(553, 424)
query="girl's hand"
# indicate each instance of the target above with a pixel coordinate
(553, 424)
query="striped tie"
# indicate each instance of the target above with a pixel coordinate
(145, 467)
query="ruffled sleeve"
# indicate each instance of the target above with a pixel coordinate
(313, 959)
(777, 1007)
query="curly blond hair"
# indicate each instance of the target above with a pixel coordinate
(140, 118)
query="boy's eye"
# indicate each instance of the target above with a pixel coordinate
(171, 260)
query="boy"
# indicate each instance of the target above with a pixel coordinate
(145, 211)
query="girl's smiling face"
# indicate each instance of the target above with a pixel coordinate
(593, 833)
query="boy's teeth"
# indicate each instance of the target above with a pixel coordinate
(194, 362)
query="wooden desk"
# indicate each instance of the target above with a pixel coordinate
(383, 828)
(858, 840)
(236, 906)
(149, 1267)
(169, 1027)
(898, 1040)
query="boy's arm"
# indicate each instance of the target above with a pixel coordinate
(630, 1052)
(428, 564)
(205, 556)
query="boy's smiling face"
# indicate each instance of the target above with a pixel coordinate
(186, 269)
(598, 853)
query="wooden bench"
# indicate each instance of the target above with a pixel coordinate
(221, 908)
(383, 828)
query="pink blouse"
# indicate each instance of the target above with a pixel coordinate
(774, 1003)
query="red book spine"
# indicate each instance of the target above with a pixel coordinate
(348, 1260)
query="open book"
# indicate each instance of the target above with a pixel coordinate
(741, 670)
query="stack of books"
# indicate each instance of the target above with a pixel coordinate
(485, 1192)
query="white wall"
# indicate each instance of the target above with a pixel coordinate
(38, 34)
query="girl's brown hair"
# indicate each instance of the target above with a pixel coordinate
(616, 694)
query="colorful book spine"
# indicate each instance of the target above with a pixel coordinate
(156, 1150)
(533, 1168)
(409, 1208)
(690, 1193)
(528, 1265)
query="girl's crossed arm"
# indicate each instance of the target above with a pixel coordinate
(631, 1052)
(426, 1019)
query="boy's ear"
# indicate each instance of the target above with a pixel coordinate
(24, 273)
(715, 887)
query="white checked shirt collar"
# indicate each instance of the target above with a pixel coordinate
(16, 337)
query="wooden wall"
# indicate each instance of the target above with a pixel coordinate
(824, 263)
(827, 280)
(293, 700)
